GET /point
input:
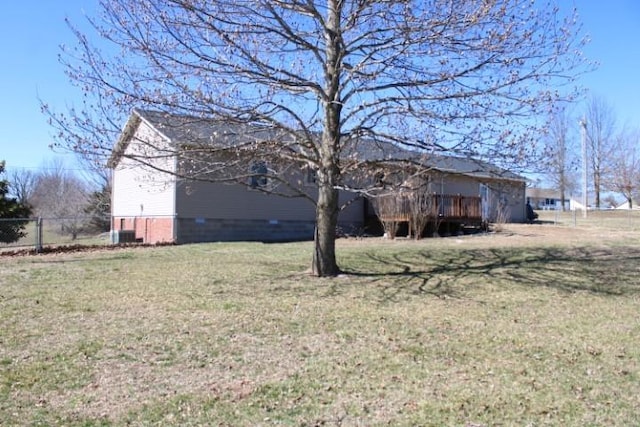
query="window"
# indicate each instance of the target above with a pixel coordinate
(259, 172)
(311, 177)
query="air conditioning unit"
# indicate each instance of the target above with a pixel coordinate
(123, 236)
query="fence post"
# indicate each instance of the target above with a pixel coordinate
(39, 235)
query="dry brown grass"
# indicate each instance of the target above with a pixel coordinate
(536, 325)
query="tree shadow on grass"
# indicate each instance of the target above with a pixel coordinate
(452, 273)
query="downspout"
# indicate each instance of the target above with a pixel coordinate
(174, 227)
(524, 201)
(112, 218)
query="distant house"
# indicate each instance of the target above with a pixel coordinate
(546, 199)
(576, 205)
(625, 205)
(153, 204)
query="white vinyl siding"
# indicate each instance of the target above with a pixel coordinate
(140, 190)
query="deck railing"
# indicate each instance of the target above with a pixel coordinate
(446, 207)
(458, 207)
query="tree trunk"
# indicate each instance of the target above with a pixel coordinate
(563, 185)
(324, 251)
(324, 254)
(596, 188)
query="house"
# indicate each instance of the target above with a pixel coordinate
(625, 205)
(546, 199)
(152, 202)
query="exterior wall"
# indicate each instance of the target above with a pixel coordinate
(453, 184)
(354, 214)
(139, 190)
(146, 229)
(195, 230)
(143, 199)
(232, 201)
(506, 200)
(233, 212)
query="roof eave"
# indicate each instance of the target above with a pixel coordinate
(125, 138)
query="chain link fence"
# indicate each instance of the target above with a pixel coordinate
(36, 233)
(605, 219)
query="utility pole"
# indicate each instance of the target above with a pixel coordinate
(585, 199)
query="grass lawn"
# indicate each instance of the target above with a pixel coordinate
(537, 325)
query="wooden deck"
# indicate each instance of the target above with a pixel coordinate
(441, 208)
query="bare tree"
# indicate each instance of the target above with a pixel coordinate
(61, 195)
(560, 152)
(389, 209)
(95, 171)
(421, 208)
(439, 76)
(625, 167)
(23, 183)
(98, 178)
(601, 127)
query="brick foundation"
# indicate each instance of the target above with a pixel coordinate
(194, 230)
(147, 229)
(197, 230)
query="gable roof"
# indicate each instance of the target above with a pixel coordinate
(182, 129)
(371, 151)
(542, 193)
(189, 129)
(473, 167)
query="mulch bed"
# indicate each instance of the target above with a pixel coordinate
(63, 249)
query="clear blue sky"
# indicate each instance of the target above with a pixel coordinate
(31, 32)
